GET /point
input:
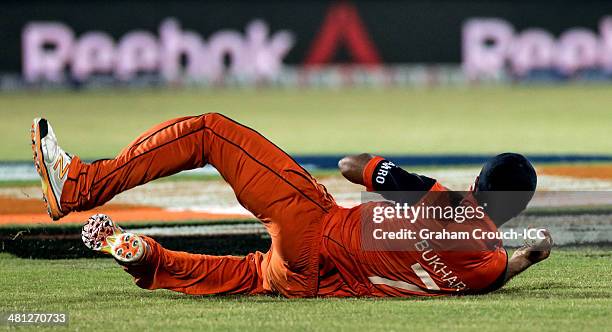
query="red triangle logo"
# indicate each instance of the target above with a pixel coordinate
(342, 24)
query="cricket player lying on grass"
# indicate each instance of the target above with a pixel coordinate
(316, 245)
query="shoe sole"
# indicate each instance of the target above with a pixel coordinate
(118, 241)
(116, 231)
(48, 195)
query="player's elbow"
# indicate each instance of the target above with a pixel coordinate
(351, 167)
(347, 165)
(344, 164)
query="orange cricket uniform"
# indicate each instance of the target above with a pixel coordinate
(316, 245)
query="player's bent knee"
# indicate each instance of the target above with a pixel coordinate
(214, 116)
(214, 119)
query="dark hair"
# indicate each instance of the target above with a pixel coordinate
(506, 184)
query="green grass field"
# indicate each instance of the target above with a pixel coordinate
(571, 119)
(570, 291)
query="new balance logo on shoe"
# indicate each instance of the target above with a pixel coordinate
(62, 170)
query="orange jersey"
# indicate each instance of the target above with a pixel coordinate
(423, 268)
(355, 264)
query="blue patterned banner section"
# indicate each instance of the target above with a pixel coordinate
(24, 170)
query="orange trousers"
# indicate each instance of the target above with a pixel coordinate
(266, 181)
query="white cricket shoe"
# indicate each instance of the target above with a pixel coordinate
(51, 164)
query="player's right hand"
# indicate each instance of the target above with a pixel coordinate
(538, 250)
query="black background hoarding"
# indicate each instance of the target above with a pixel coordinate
(402, 31)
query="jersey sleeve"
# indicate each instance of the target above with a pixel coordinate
(380, 174)
(501, 280)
